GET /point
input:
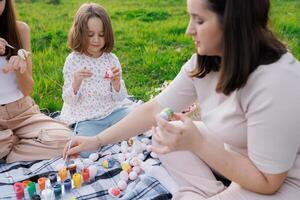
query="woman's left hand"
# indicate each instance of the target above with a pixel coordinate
(176, 137)
(116, 78)
(15, 63)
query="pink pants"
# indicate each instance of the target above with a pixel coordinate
(26, 134)
(197, 182)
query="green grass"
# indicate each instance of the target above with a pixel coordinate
(150, 41)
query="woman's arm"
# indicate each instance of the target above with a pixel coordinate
(236, 167)
(25, 80)
(136, 122)
(210, 149)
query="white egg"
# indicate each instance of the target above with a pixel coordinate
(133, 175)
(146, 140)
(141, 156)
(134, 162)
(127, 155)
(22, 53)
(122, 185)
(79, 164)
(93, 171)
(121, 157)
(124, 175)
(94, 157)
(124, 149)
(137, 169)
(87, 162)
(47, 194)
(124, 143)
(153, 155)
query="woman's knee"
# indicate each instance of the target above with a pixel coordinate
(7, 141)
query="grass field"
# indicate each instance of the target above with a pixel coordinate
(150, 40)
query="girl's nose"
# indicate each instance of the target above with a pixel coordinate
(96, 39)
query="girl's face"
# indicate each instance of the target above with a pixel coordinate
(96, 37)
(205, 28)
(2, 6)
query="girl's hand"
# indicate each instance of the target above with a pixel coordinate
(79, 144)
(116, 78)
(79, 76)
(15, 63)
(176, 136)
(2, 46)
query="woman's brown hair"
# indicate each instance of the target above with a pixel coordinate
(9, 30)
(248, 43)
(78, 36)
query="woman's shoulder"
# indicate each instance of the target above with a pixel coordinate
(287, 66)
(190, 65)
(282, 74)
(24, 31)
(22, 27)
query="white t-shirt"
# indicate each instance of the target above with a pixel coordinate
(261, 120)
(96, 97)
(9, 91)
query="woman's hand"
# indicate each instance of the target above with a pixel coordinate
(79, 76)
(116, 78)
(176, 135)
(15, 63)
(79, 144)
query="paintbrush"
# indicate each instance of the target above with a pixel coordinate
(10, 46)
(71, 140)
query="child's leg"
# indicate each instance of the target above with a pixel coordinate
(96, 126)
(117, 115)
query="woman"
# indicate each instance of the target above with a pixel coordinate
(245, 81)
(25, 133)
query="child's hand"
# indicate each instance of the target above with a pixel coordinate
(116, 78)
(79, 76)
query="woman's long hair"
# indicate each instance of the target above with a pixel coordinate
(8, 30)
(248, 43)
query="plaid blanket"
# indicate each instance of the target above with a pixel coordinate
(144, 187)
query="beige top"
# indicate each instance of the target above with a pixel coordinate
(261, 120)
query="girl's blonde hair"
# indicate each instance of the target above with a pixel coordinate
(78, 35)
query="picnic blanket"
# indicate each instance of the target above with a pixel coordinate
(144, 187)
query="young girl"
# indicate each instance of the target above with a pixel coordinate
(25, 133)
(93, 85)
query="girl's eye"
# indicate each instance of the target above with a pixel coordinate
(199, 22)
(101, 35)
